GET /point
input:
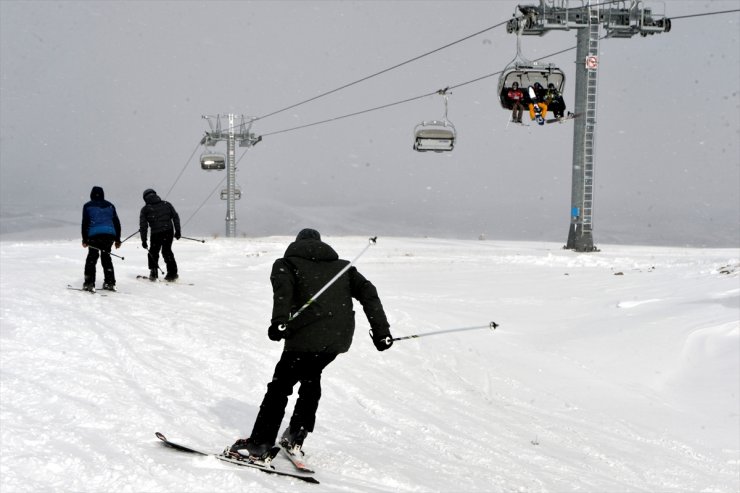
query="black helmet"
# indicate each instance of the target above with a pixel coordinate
(148, 191)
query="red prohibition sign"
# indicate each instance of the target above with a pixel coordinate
(592, 62)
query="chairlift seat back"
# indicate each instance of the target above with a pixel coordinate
(212, 161)
(527, 75)
(437, 136)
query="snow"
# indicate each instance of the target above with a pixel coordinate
(611, 371)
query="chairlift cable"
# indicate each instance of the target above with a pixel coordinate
(448, 88)
(381, 72)
(433, 93)
(218, 185)
(408, 100)
(182, 170)
(417, 58)
(706, 13)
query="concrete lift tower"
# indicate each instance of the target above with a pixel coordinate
(620, 19)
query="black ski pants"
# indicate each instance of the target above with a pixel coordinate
(292, 368)
(99, 247)
(162, 241)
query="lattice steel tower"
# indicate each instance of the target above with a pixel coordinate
(238, 130)
(620, 19)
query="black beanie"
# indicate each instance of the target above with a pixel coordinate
(148, 191)
(308, 234)
(97, 193)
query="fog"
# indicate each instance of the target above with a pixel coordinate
(111, 93)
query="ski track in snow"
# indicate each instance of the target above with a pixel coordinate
(610, 371)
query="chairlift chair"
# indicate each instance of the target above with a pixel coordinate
(211, 161)
(527, 73)
(435, 135)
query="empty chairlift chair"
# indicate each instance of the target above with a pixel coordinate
(435, 135)
(211, 160)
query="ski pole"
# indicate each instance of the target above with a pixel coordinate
(109, 253)
(491, 326)
(370, 242)
(192, 239)
(129, 237)
(152, 257)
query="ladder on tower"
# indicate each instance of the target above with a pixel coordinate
(590, 130)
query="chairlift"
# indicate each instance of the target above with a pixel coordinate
(435, 135)
(211, 160)
(526, 73)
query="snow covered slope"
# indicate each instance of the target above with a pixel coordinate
(611, 371)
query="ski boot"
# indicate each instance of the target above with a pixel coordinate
(245, 449)
(292, 442)
(109, 286)
(153, 275)
(171, 277)
(89, 286)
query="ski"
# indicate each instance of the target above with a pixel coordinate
(268, 468)
(296, 459)
(146, 278)
(69, 286)
(562, 119)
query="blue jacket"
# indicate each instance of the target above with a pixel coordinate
(99, 217)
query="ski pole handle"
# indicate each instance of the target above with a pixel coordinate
(491, 325)
(370, 242)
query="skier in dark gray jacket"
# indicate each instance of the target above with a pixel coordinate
(313, 340)
(162, 217)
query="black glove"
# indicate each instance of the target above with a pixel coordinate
(382, 342)
(143, 243)
(277, 332)
(177, 236)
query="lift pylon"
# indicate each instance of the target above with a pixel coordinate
(619, 20)
(238, 130)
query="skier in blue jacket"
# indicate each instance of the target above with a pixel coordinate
(100, 230)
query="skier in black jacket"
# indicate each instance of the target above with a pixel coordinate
(313, 340)
(100, 230)
(165, 223)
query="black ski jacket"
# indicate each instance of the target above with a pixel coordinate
(159, 215)
(328, 324)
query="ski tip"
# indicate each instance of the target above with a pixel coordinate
(160, 436)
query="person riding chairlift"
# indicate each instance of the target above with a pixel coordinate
(517, 96)
(554, 101)
(537, 104)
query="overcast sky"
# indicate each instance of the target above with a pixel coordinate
(111, 93)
